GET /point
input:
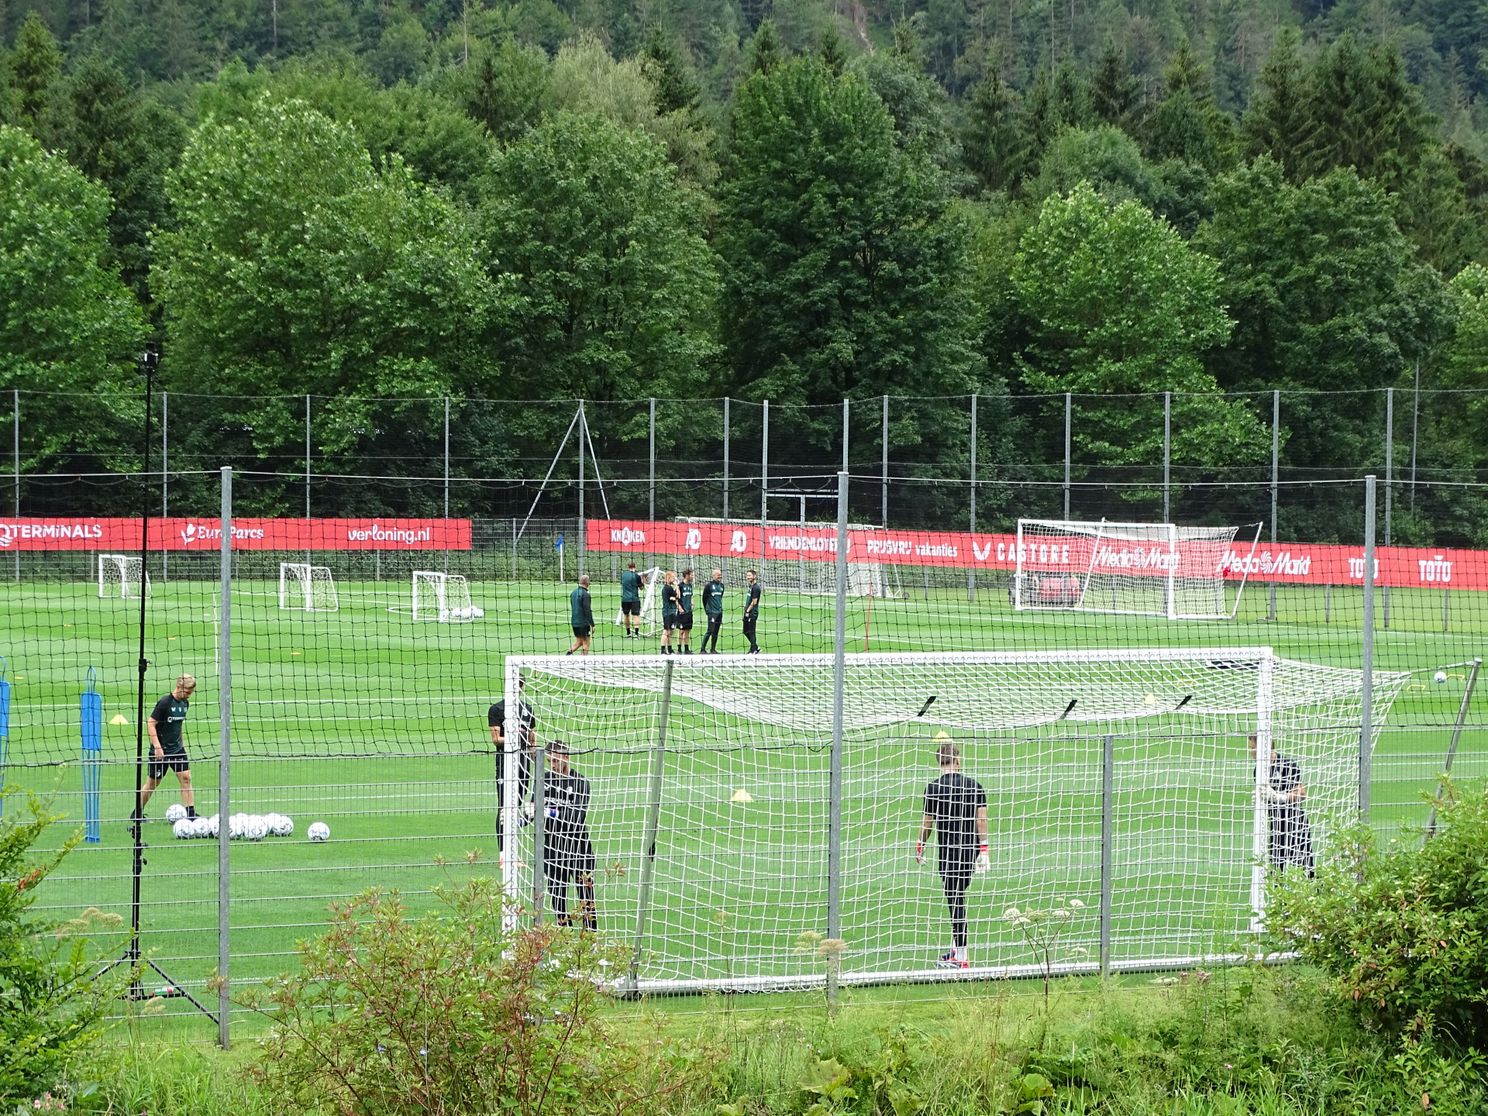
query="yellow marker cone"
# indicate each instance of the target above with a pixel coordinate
(941, 735)
(741, 795)
(118, 719)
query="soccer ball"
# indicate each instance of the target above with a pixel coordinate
(175, 812)
(1440, 676)
(212, 823)
(318, 831)
(184, 828)
(255, 829)
(235, 826)
(281, 825)
(202, 827)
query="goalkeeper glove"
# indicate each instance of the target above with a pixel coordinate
(983, 861)
(529, 811)
(919, 852)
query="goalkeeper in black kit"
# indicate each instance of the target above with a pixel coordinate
(1289, 833)
(956, 807)
(568, 853)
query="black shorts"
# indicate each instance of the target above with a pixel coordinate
(956, 870)
(670, 620)
(171, 761)
(684, 621)
(630, 608)
(568, 856)
(582, 631)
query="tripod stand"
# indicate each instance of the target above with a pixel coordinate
(131, 956)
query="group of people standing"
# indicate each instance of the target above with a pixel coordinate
(677, 591)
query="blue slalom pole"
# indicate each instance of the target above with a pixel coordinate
(91, 722)
(4, 728)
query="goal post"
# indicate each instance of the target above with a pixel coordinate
(121, 575)
(443, 597)
(1145, 569)
(307, 588)
(712, 792)
(814, 572)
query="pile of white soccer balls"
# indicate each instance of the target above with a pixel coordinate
(240, 827)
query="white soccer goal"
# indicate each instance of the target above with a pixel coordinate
(307, 588)
(813, 573)
(1147, 569)
(444, 597)
(119, 575)
(1117, 778)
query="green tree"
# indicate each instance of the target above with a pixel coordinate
(1122, 305)
(765, 50)
(69, 325)
(35, 65)
(503, 89)
(1105, 157)
(1187, 124)
(994, 138)
(613, 284)
(1328, 296)
(297, 267)
(1276, 124)
(845, 266)
(1114, 91)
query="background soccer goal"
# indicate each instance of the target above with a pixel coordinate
(444, 597)
(1119, 778)
(120, 575)
(307, 588)
(813, 573)
(1147, 569)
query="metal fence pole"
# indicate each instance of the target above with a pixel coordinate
(16, 459)
(581, 489)
(1389, 484)
(651, 461)
(1275, 484)
(1108, 812)
(834, 778)
(972, 501)
(1167, 456)
(764, 471)
(1068, 408)
(727, 435)
(446, 470)
(307, 467)
(846, 433)
(164, 475)
(1366, 697)
(884, 468)
(224, 769)
(1415, 431)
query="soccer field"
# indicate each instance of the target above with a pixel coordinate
(376, 724)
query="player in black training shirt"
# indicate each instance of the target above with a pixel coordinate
(1289, 834)
(568, 854)
(526, 742)
(671, 609)
(751, 610)
(956, 806)
(167, 751)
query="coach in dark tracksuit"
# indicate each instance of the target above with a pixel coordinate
(713, 610)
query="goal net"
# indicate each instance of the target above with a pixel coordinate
(444, 597)
(1118, 779)
(120, 575)
(307, 588)
(1149, 569)
(813, 572)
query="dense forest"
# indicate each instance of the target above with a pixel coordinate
(799, 200)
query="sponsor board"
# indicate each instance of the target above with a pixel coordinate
(1287, 563)
(176, 533)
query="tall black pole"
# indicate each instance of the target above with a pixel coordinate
(149, 361)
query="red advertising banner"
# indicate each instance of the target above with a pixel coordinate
(1292, 563)
(177, 533)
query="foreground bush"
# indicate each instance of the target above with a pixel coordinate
(1403, 929)
(50, 1007)
(450, 1013)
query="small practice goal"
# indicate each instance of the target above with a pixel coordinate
(444, 597)
(307, 588)
(1145, 569)
(650, 579)
(120, 575)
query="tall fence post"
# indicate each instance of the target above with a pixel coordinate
(307, 456)
(224, 768)
(764, 470)
(1107, 839)
(164, 476)
(846, 433)
(972, 502)
(1275, 485)
(1389, 486)
(727, 435)
(1068, 423)
(884, 465)
(1366, 696)
(1415, 431)
(1167, 456)
(651, 461)
(16, 459)
(834, 776)
(581, 440)
(446, 471)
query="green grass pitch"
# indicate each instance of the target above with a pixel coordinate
(377, 726)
